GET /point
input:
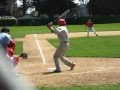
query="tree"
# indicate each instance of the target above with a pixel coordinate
(24, 7)
(104, 7)
(4, 2)
(18, 11)
(52, 7)
(6, 7)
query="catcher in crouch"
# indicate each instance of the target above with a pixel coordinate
(62, 34)
(10, 53)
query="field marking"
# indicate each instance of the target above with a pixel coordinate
(40, 50)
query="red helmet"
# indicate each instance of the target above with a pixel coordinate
(61, 22)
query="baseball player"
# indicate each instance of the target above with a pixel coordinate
(7, 46)
(62, 34)
(89, 25)
(10, 53)
(5, 39)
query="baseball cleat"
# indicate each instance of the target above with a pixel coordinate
(56, 71)
(72, 66)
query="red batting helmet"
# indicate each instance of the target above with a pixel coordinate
(61, 22)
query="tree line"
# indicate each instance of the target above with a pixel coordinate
(104, 7)
(54, 7)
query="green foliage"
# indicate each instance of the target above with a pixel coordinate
(4, 2)
(7, 21)
(104, 7)
(70, 21)
(107, 46)
(53, 7)
(95, 19)
(30, 22)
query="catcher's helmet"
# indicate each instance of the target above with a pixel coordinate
(61, 22)
(5, 29)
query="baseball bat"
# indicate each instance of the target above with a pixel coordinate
(62, 15)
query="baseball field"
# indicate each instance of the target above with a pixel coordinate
(97, 59)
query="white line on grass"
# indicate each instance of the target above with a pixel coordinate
(40, 50)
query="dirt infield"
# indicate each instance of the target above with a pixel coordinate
(87, 71)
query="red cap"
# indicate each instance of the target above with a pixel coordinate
(61, 22)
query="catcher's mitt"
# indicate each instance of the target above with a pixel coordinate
(24, 55)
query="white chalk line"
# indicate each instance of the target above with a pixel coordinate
(40, 50)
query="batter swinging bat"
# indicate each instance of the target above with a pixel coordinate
(62, 15)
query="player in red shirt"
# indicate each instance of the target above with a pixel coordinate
(10, 53)
(89, 25)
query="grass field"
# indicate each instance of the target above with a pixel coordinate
(106, 46)
(18, 48)
(84, 47)
(21, 31)
(88, 87)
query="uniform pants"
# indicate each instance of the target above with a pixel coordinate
(91, 29)
(59, 54)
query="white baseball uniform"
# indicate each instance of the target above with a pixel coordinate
(62, 34)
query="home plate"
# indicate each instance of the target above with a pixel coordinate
(51, 69)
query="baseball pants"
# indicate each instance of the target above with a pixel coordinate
(91, 29)
(59, 54)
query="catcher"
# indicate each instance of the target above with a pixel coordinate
(10, 54)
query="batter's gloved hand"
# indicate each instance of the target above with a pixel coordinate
(24, 55)
(49, 24)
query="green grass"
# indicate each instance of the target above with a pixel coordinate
(18, 48)
(80, 47)
(108, 27)
(21, 31)
(98, 27)
(106, 46)
(85, 87)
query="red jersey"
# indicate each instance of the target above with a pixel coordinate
(89, 24)
(10, 52)
(12, 44)
(14, 59)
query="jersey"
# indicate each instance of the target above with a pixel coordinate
(13, 59)
(89, 24)
(4, 39)
(62, 34)
(10, 52)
